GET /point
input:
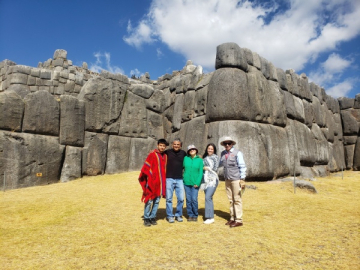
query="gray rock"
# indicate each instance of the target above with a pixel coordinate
(309, 113)
(319, 112)
(332, 104)
(346, 103)
(139, 150)
(230, 55)
(84, 65)
(256, 59)
(349, 155)
(45, 74)
(305, 185)
(336, 156)
(94, 153)
(18, 78)
(249, 56)
(177, 112)
(349, 140)
(350, 125)
(200, 101)
(357, 102)
(320, 170)
(19, 69)
(142, 90)
(59, 62)
(72, 121)
(118, 154)
(204, 80)
(282, 79)
(157, 102)
(23, 156)
(272, 72)
(265, 67)
(294, 107)
(306, 143)
(104, 100)
(294, 159)
(60, 54)
(316, 91)
(11, 111)
(71, 169)
(228, 96)
(188, 112)
(306, 173)
(42, 114)
(356, 164)
(194, 133)
(322, 149)
(155, 125)
(304, 87)
(133, 120)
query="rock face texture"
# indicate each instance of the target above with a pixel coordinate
(59, 121)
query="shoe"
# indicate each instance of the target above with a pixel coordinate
(194, 219)
(153, 221)
(230, 222)
(147, 223)
(209, 221)
(236, 224)
(190, 219)
(170, 220)
(179, 219)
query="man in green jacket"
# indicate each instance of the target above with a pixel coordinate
(193, 172)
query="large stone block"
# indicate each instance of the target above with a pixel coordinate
(357, 102)
(142, 90)
(177, 112)
(350, 125)
(200, 101)
(294, 159)
(282, 79)
(309, 113)
(18, 78)
(157, 102)
(305, 142)
(42, 114)
(322, 149)
(155, 125)
(356, 164)
(133, 120)
(346, 103)
(60, 54)
(139, 150)
(188, 112)
(349, 156)
(249, 56)
(348, 140)
(11, 111)
(332, 104)
(104, 100)
(265, 147)
(228, 96)
(94, 153)
(230, 55)
(71, 169)
(304, 87)
(20, 89)
(294, 107)
(29, 160)
(118, 154)
(72, 121)
(319, 112)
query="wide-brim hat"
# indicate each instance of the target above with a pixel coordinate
(227, 139)
(190, 147)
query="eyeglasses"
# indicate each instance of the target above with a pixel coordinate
(192, 150)
(228, 143)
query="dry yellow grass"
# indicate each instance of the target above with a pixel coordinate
(95, 223)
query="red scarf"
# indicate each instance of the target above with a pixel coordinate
(153, 176)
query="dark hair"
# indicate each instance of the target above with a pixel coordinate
(206, 153)
(162, 141)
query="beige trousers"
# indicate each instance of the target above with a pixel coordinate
(233, 191)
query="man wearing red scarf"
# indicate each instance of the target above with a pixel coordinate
(153, 181)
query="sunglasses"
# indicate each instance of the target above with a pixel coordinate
(228, 143)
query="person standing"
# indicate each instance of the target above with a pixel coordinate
(234, 173)
(152, 179)
(193, 172)
(210, 180)
(174, 181)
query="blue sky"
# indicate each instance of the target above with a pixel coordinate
(319, 38)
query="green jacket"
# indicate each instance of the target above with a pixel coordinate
(193, 170)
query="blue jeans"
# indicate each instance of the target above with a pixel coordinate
(151, 208)
(192, 201)
(209, 203)
(177, 185)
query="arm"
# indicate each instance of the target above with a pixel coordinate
(241, 165)
(216, 163)
(201, 171)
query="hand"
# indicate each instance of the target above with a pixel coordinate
(242, 184)
(205, 168)
(195, 186)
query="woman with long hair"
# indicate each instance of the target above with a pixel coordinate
(210, 180)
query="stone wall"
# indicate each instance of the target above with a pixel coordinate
(59, 122)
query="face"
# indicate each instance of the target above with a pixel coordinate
(210, 150)
(161, 147)
(176, 145)
(192, 152)
(228, 145)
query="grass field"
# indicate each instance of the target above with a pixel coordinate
(95, 223)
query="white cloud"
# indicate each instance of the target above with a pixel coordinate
(328, 75)
(159, 53)
(136, 72)
(341, 89)
(288, 38)
(98, 66)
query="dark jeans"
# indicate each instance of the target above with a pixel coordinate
(192, 200)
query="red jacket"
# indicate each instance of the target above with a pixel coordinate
(152, 177)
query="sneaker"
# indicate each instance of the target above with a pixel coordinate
(147, 223)
(194, 219)
(209, 221)
(179, 219)
(190, 219)
(153, 221)
(170, 220)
